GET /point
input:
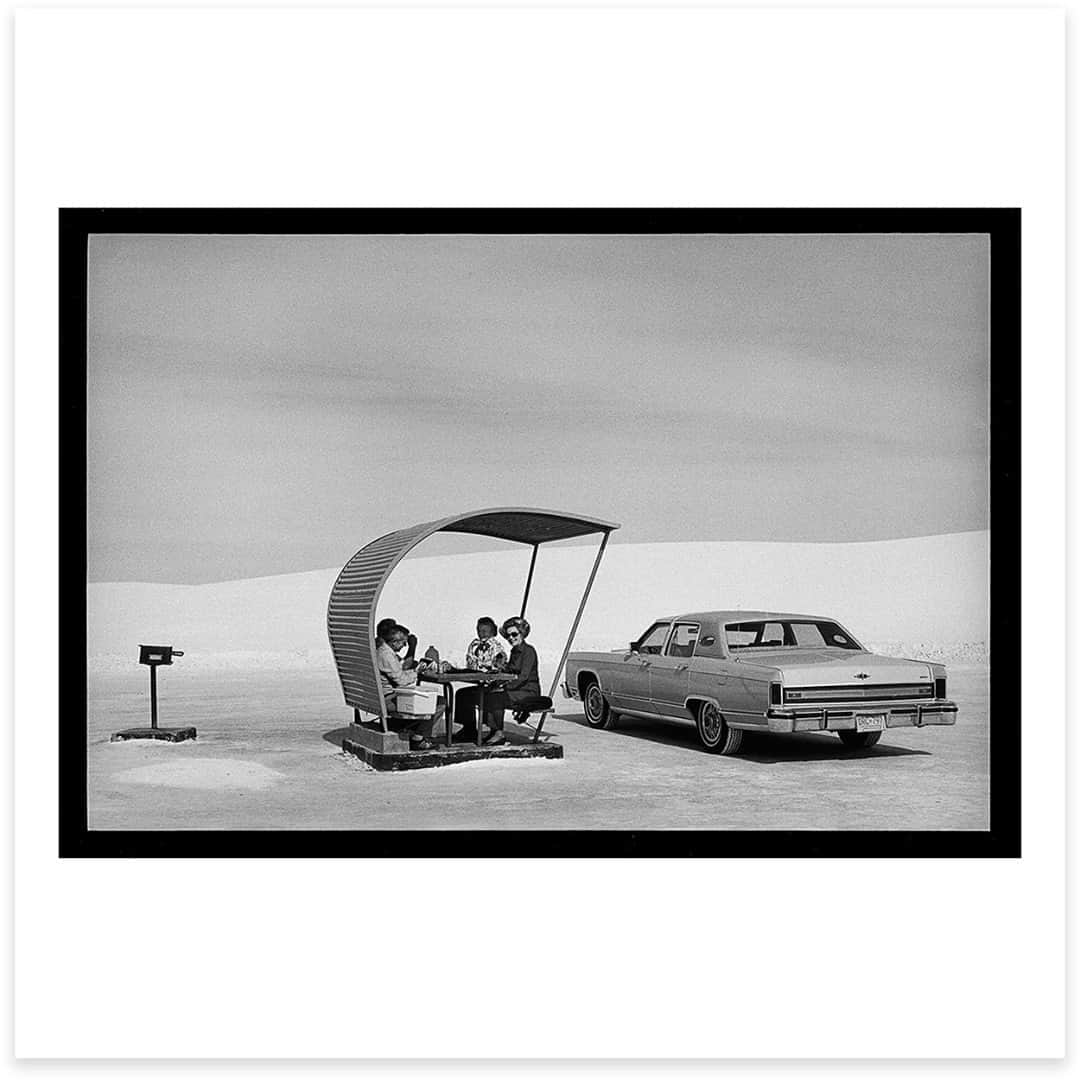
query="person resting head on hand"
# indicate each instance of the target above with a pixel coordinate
(409, 658)
(394, 675)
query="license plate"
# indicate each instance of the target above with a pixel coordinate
(869, 721)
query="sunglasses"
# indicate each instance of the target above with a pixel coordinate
(511, 634)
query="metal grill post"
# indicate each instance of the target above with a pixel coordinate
(153, 695)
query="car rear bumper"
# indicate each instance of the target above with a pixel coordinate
(785, 721)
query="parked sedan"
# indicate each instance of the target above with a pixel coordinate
(735, 671)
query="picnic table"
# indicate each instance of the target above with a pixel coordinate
(484, 679)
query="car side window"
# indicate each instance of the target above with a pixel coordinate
(653, 639)
(683, 640)
(742, 635)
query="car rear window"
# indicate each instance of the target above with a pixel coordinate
(788, 634)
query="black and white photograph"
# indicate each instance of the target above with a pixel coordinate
(539, 535)
(563, 532)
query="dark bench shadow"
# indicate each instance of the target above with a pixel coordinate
(515, 733)
(757, 746)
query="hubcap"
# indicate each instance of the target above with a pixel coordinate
(710, 723)
(594, 703)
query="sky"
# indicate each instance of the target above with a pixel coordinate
(263, 405)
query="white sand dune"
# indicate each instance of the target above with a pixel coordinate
(920, 596)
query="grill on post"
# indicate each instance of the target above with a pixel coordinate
(157, 654)
(154, 656)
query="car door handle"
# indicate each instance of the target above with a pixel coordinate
(681, 667)
(646, 663)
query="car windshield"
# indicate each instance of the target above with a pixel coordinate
(788, 634)
(652, 641)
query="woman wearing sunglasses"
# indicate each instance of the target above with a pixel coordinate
(523, 665)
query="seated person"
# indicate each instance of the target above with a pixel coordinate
(392, 674)
(384, 627)
(485, 652)
(523, 664)
(409, 659)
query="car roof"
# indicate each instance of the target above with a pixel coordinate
(743, 616)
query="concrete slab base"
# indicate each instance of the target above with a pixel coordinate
(372, 737)
(516, 746)
(165, 734)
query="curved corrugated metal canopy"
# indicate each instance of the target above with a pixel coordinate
(353, 599)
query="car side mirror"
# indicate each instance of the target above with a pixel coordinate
(633, 646)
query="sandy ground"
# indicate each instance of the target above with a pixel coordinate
(265, 759)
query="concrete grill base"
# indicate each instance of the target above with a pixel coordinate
(165, 734)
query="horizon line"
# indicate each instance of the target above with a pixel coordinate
(572, 542)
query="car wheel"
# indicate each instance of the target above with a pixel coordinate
(598, 712)
(714, 733)
(858, 740)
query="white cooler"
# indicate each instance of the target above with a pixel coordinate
(412, 701)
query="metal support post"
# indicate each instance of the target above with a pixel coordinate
(528, 580)
(573, 631)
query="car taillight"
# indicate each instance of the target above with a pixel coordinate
(775, 692)
(939, 688)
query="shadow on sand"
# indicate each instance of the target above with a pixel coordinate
(756, 746)
(337, 735)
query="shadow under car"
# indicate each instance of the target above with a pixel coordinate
(759, 746)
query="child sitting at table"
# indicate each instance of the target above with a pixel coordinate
(485, 651)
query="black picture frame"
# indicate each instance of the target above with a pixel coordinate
(1001, 840)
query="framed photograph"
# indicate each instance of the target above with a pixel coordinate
(546, 512)
(305, 434)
